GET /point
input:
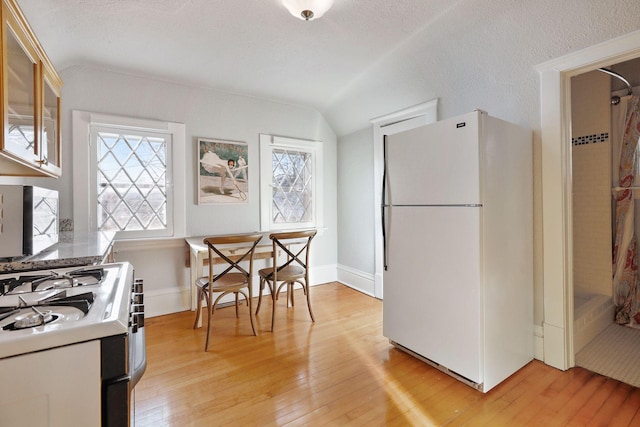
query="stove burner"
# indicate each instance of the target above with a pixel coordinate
(52, 282)
(31, 320)
(68, 280)
(81, 301)
(7, 286)
(56, 315)
(55, 280)
(19, 317)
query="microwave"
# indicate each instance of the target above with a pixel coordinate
(28, 220)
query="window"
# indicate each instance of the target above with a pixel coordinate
(290, 183)
(132, 169)
(134, 181)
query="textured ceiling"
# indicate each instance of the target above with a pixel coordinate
(252, 47)
(362, 59)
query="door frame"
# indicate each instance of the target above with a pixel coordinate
(408, 118)
(557, 239)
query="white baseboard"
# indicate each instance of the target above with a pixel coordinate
(159, 302)
(322, 274)
(538, 344)
(166, 301)
(356, 279)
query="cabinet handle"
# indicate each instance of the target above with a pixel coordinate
(43, 162)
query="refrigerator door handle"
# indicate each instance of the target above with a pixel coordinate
(384, 203)
(384, 239)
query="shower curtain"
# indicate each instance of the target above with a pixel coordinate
(625, 254)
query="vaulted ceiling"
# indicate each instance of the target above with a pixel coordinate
(362, 59)
(251, 47)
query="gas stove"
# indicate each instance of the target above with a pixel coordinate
(47, 309)
(66, 330)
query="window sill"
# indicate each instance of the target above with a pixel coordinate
(149, 243)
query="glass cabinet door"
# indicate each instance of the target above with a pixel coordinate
(20, 135)
(50, 120)
(30, 94)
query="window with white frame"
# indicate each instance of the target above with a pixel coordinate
(131, 179)
(290, 183)
(132, 172)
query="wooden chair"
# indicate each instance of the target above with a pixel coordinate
(294, 270)
(227, 252)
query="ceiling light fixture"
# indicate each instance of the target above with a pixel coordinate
(308, 10)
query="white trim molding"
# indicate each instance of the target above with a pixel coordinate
(84, 164)
(555, 114)
(356, 279)
(269, 143)
(321, 274)
(538, 343)
(159, 302)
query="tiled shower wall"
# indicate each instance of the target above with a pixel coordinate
(591, 178)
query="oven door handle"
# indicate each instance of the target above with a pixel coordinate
(138, 357)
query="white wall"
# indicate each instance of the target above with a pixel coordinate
(479, 55)
(205, 113)
(355, 198)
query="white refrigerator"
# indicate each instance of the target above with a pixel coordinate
(458, 240)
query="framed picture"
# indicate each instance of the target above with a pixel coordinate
(223, 171)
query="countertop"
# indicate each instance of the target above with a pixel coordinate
(72, 249)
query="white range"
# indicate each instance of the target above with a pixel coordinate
(72, 344)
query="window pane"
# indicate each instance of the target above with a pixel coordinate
(292, 186)
(132, 188)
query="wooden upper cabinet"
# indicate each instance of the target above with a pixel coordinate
(51, 143)
(31, 93)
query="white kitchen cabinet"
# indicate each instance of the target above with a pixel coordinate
(31, 94)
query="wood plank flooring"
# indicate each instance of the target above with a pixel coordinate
(340, 371)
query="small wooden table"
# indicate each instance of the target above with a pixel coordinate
(198, 256)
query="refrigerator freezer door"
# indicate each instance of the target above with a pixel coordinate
(432, 285)
(437, 164)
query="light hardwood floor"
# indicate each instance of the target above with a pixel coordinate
(342, 371)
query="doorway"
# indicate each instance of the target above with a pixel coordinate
(557, 210)
(599, 105)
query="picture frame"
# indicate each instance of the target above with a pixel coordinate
(223, 171)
